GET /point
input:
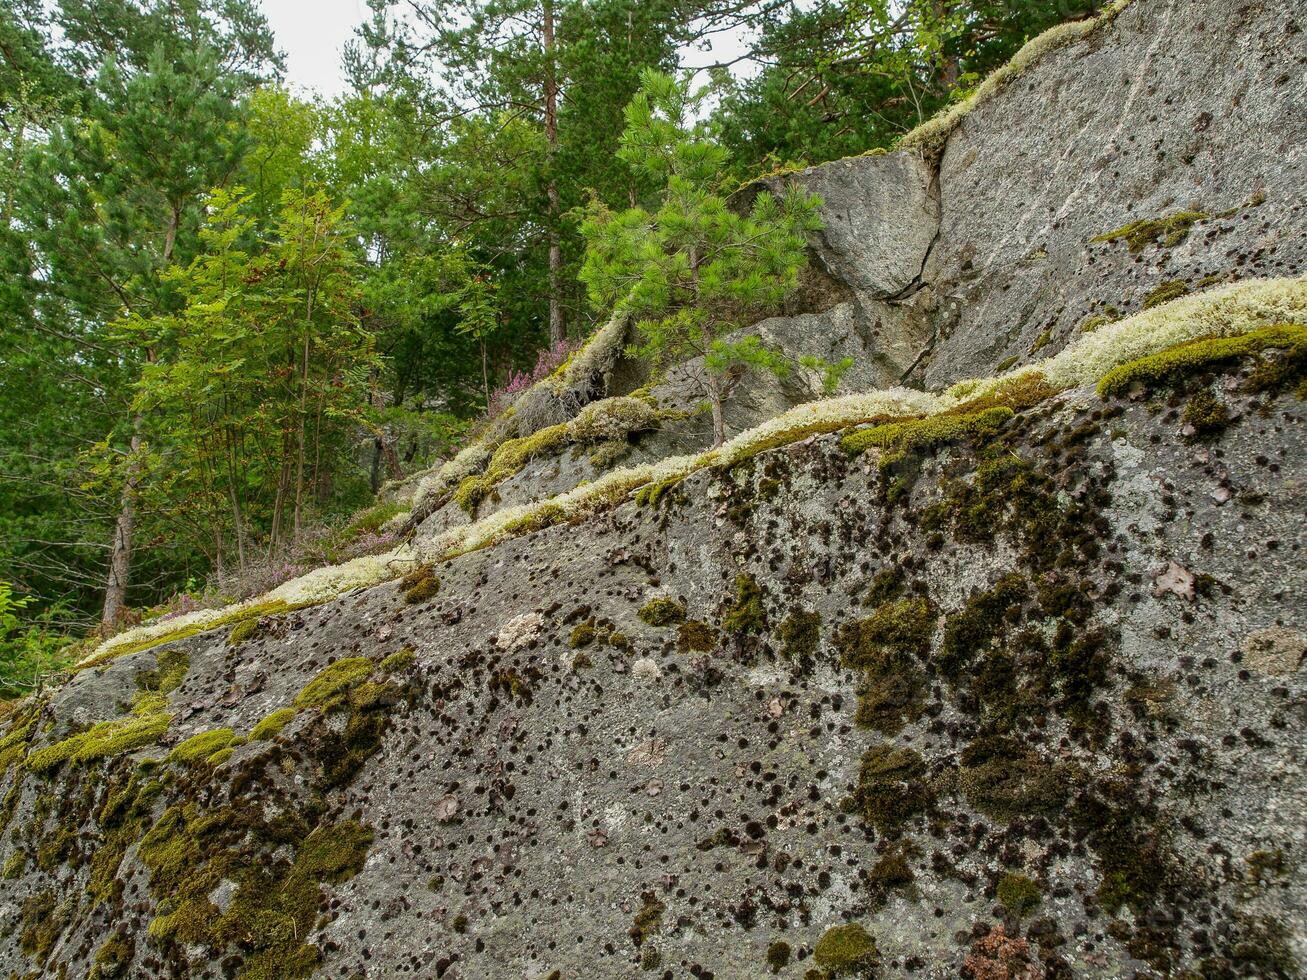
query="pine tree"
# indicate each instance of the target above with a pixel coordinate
(694, 270)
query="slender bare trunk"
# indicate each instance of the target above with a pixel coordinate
(718, 418)
(120, 554)
(557, 329)
(485, 372)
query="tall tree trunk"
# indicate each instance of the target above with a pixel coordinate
(557, 329)
(120, 554)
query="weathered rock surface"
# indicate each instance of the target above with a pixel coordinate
(1030, 703)
(967, 263)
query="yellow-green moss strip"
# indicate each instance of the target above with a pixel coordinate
(1195, 355)
(1168, 232)
(334, 680)
(202, 746)
(1227, 310)
(270, 725)
(103, 740)
(899, 439)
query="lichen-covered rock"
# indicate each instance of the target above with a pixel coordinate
(1002, 682)
(1084, 763)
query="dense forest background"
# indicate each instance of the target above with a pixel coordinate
(230, 314)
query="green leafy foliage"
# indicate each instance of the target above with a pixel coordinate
(693, 270)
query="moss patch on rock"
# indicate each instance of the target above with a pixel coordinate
(1167, 232)
(891, 787)
(662, 611)
(847, 951)
(333, 681)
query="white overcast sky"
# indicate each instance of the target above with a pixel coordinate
(312, 33)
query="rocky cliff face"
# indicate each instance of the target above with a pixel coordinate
(1009, 684)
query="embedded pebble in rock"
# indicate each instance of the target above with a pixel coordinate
(1275, 650)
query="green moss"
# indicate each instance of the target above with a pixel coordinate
(112, 957)
(695, 635)
(1005, 779)
(398, 662)
(1167, 291)
(1095, 322)
(123, 818)
(899, 439)
(1167, 232)
(1018, 895)
(648, 920)
(883, 646)
(42, 922)
(508, 460)
(333, 681)
(55, 849)
(662, 611)
(799, 635)
(891, 871)
(1007, 363)
(242, 631)
(1184, 360)
(891, 787)
(1207, 414)
(583, 634)
(985, 617)
(655, 493)
(275, 907)
(101, 741)
(511, 683)
(744, 613)
(778, 955)
(900, 626)
(847, 951)
(886, 585)
(202, 745)
(419, 585)
(609, 453)
(14, 865)
(270, 725)
(1042, 341)
(219, 757)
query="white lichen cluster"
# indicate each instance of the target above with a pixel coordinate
(932, 134)
(1223, 311)
(1220, 312)
(612, 418)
